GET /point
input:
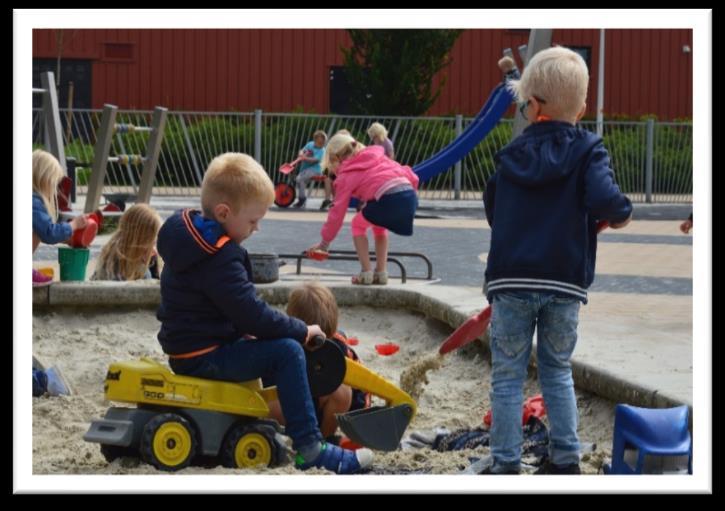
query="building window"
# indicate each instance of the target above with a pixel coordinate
(585, 52)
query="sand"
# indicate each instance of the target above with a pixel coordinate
(455, 396)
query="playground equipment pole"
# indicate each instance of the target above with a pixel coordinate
(539, 39)
(600, 86)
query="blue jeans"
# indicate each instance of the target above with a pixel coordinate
(515, 315)
(280, 360)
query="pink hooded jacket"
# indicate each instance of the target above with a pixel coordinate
(363, 176)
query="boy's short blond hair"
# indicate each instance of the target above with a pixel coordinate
(557, 75)
(235, 179)
(377, 130)
(320, 133)
(314, 304)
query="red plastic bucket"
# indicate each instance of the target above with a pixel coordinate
(82, 238)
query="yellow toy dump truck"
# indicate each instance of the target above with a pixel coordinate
(179, 420)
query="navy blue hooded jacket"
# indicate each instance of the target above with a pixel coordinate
(207, 296)
(552, 184)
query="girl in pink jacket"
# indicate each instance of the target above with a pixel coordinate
(387, 191)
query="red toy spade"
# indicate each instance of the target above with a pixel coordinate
(475, 326)
(289, 167)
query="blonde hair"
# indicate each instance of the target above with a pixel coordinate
(506, 64)
(557, 75)
(342, 146)
(377, 130)
(343, 131)
(314, 304)
(127, 253)
(47, 173)
(235, 179)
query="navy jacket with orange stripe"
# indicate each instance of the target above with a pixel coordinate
(207, 296)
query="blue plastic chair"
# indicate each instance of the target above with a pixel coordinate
(655, 437)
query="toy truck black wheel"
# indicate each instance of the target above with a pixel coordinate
(168, 442)
(112, 452)
(284, 195)
(249, 445)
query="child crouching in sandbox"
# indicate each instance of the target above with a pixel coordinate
(387, 191)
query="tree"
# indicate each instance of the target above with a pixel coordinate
(390, 72)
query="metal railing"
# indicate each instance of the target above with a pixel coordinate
(652, 160)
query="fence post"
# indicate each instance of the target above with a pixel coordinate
(457, 168)
(258, 136)
(195, 164)
(648, 176)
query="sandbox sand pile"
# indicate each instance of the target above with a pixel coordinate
(456, 394)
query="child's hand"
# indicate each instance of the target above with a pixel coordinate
(621, 224)
(312, 332)
(686, 226)
(79, 222)
(320, 247)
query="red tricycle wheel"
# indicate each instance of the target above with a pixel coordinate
(284, 195)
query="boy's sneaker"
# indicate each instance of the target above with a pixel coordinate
(57, 385)
(338, 460)
(299, 204)
(325, 204)
(549, 468)
(40, 279)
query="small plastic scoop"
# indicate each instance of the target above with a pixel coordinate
(318, 255)
(82, 238)
(387, 349)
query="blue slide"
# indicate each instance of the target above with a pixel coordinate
(496, 105)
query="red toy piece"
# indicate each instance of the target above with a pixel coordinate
(387, 349)
(111, 206)
(318, 255)
(348, 444)
(533, 407)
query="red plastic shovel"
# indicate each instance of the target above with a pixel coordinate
(289, 167)
(475, 326)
